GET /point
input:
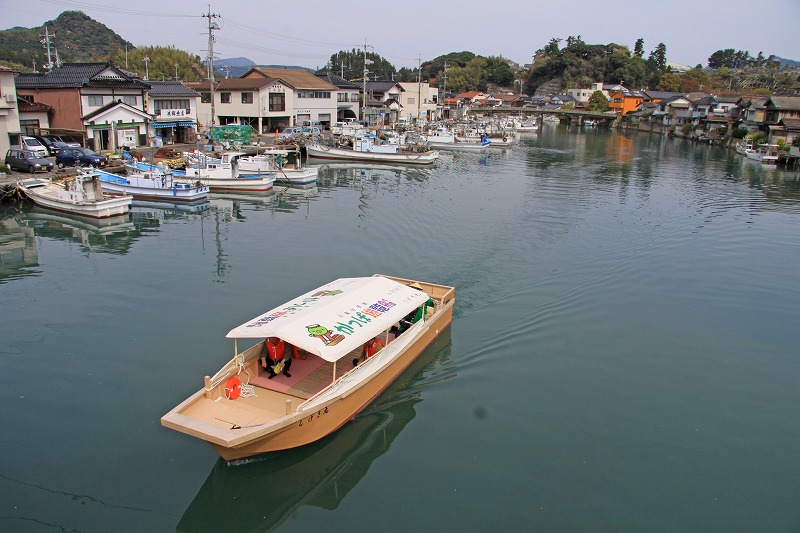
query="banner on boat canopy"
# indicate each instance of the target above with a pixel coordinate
(338, 317)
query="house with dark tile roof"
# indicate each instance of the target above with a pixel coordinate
(348, 97)
(173, 107)
(78, 90)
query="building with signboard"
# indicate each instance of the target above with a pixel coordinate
(93, 100)
(173, 107)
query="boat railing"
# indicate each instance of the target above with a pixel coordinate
(359, 374)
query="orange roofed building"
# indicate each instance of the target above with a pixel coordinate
(624, 100)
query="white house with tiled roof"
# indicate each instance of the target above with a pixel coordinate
(306, 97)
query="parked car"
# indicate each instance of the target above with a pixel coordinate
(312, 131)
(27, 161)
(68, 141)
(81, 157)
(52, 146)
(27, 142)
(290, 133)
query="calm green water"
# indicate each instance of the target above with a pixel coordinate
(623, 355)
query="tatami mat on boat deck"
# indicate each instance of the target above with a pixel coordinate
(309, 376)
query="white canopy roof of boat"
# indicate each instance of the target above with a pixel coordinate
(338, 317)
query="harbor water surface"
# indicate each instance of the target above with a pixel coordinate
(623, 354)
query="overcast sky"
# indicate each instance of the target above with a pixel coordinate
(307, 32)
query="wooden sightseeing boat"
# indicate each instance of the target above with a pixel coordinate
(241, 412)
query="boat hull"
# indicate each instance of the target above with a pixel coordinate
(113, 186)
(106, 208)
(312, 426)
(320, 152)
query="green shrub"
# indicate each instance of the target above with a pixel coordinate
(758, 137)
(688, 128)
(739, 132)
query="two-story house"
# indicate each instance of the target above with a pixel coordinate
(307, 97)
(382, 102)
(623, 100)
(93, 99)
(418, 100)
(583, 94)
(781, 116)
(173, 107)
(348, 98)
(239, 101)
(9, 113)
(752, 112)
(674, 112)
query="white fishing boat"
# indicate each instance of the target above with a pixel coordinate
(443, 139)
(81, 195)
(744, 146)
(220, 175)
(154, 184)
(589, 123)
(287, 166)
(528, 127)
(365, 148)
(551, 119)
(242, 412)
(766, 154)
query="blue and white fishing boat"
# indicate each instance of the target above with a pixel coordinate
(153, 184)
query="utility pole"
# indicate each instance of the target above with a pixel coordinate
(176, 72)
(46, 42)
(146, 67)
(366, 73)
(419, 86)
(212, 25)
(444, 92)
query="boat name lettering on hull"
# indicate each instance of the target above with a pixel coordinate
(310, 418)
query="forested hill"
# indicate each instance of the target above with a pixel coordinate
(78, 37)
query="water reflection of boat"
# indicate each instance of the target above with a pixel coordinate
(17, 249)
(196, 207)
(262, 494)
(105, 226)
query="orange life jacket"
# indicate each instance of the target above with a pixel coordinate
(275, 350)
(370, 347)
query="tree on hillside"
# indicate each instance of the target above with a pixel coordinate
(468, 78)
(622, 67)
(638, 48)
(435, 67)
(351, 63)
(669, 82)
(731, 58)
(163, 63)
(598, 102)
(498, 71)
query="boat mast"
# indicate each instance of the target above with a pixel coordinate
(212, 25)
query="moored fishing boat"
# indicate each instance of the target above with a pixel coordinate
(287, 166)
(155, 184)
(330, 325)
(365, 149)
(444, 139)
(219, 175)
(79, 195)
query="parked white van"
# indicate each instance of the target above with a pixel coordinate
(29, 143)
